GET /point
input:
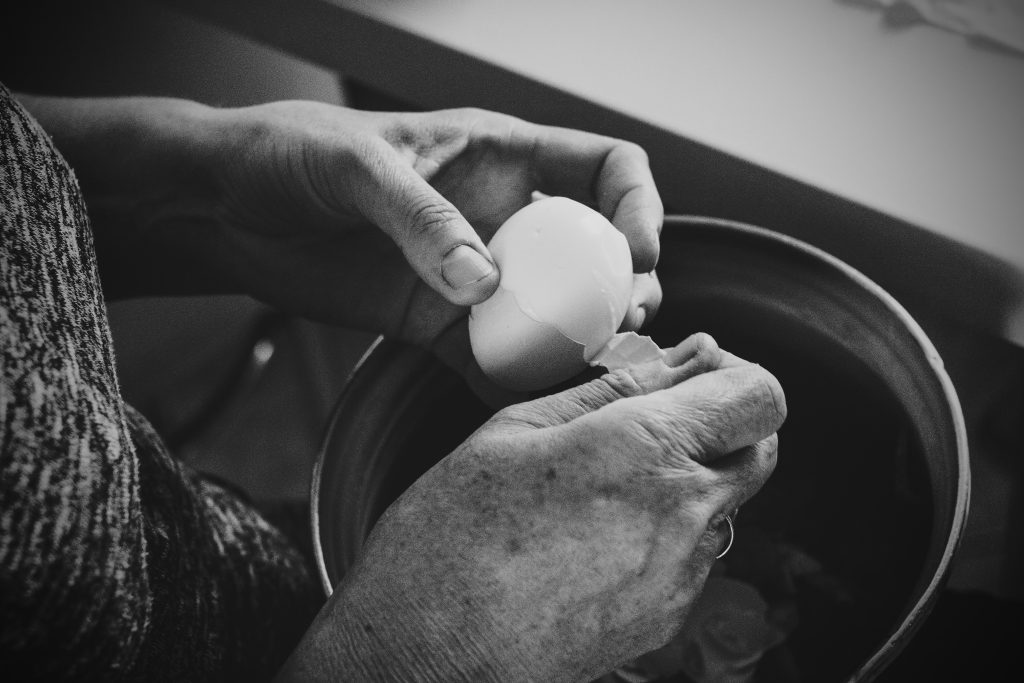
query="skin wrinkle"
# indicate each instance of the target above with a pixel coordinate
(620, 383)
(236, 199)
(426, 166)
(369, 160)
(428, 220)
(585, 398)
(447, 137)
(401, 137)
(452, 141)
(305, 170)
(657, 430)
(443, 630)
(320, 187)
(258, 137)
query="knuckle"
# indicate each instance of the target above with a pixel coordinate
(617, 384)
(706, 354)
(516, 417)
(486, 127)
(704, 343)
(652, 431)
(662, 435)
(370, 151)
(430, 218)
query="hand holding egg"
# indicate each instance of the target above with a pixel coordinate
(566, 284)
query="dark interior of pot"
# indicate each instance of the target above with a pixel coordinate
(849, 540)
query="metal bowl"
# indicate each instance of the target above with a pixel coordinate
(873, 476)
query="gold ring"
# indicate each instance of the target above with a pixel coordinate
(732, 535)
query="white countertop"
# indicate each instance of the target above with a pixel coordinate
(918, 123)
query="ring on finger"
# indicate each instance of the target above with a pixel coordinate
(732, 536)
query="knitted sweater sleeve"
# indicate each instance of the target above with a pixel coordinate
(116, 561)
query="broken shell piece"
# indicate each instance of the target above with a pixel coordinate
(626, 349)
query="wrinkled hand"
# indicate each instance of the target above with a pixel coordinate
(370, 220)
(563, 538)
(310, 179)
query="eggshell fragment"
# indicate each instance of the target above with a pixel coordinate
(566, 283)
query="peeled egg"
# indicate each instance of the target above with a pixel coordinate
(566, 283)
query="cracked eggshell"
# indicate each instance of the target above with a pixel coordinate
(566, 282)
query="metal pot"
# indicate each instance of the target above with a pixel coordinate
(873, 475)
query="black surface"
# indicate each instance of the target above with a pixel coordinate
(970, 636)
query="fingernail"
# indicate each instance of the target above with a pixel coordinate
(464, 265)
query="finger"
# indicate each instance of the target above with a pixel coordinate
(437, 241)
(729, 409)
(702, 419)
(611, 173)
(695, 354)
(644, 303)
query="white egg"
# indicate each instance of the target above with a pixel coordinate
(566, 283)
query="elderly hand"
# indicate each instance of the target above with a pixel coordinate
(437, 185)
(371, 220)
(563, 538)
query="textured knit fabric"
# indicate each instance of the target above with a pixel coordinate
(116, 561)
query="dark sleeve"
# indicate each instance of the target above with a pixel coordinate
(116, 561)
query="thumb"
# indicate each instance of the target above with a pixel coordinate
(437, 241)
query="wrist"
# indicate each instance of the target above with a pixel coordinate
(146, 167)
(375, 633)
